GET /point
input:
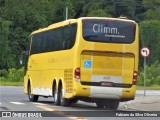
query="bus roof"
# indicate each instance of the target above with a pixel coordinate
(66, 22)
(120, 18)
(55, 25)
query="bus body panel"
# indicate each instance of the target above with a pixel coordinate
(107, 65)
(116, 62)
(47, 69)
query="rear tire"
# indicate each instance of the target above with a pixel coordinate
(100, 104)
(63, 101)
(73, 100)
(32, 98)
(56, 95)
(114, 104)
(107, 104)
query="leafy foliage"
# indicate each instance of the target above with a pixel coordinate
(7, 57)
(150, 36)
(152, 75)
(12, 75)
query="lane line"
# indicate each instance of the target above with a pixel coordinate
(80, 118)
(62, 113)
(17, 103)
(39, 103)
(47, 108)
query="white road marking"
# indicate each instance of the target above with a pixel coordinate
(39, 103)
(0, 103)
(17, 103)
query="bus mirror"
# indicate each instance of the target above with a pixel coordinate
(22, 58)
(21, 61)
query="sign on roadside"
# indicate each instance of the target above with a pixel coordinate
(145, 52)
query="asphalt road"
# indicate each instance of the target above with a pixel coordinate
(13, 99)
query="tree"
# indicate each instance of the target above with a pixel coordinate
(152, 14)
(95, 9)
(78, 7)
(122, 8)
(24, 19)
(152, 9)
(150, 36)
(7, 58)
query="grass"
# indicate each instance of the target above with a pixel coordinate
(8, 83)
(156, 87)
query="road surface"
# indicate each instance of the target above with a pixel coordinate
(13, 99)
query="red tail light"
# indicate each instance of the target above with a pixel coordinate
(135, 75)
(77, 73)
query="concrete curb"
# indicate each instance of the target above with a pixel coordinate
(143, 103)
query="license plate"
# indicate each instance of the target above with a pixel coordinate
(108, 84)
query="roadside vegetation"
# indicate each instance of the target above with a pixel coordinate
(12, 76)
(154, 87)
(152, 76)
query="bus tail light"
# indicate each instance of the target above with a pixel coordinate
(135, 75)
(77, 74)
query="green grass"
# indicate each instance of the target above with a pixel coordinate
(156, 87)
(8, 83)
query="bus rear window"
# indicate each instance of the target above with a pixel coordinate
(109, 31)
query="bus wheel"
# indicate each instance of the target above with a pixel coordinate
(107, 104)
(100, 104)
(63, 101)
(74, 100)
(56, 95)
(114, 104)
(32, 98)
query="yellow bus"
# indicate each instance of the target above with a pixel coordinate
(94, 59)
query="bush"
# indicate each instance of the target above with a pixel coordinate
(152, 75)
(3, 73)
(20, 74)
(2, 79)
(12, 75)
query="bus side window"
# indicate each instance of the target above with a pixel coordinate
(44, 41)
(72, 35)
(35, 44)
(50, 41)
(53, 40)
(69, 32)
(65, 37)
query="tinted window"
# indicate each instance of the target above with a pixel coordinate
(53, 40)
(113, 31)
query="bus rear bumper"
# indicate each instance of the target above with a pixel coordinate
(105, 92)
(122, 94)
(100, 92)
